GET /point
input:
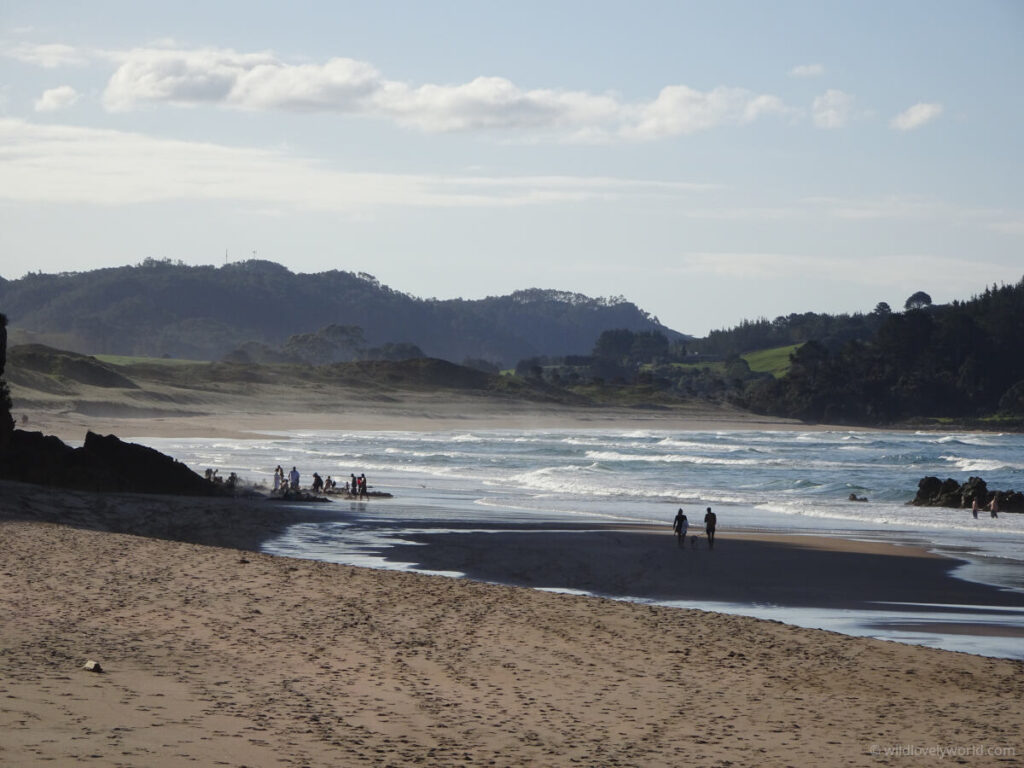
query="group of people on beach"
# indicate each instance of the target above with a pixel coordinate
(283, 484)
(681, 524)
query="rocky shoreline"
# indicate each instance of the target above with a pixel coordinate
(103, 463)
(933, 492)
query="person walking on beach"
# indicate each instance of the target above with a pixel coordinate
(362, 486)
(680, 525)
(993, 506)
(710, 521)
(974, 508)
(278, 478)
(294, 477)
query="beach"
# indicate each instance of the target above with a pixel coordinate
(241, 409)
(219, 655)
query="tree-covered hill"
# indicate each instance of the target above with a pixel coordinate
(832, 331)
(963, 360)
(161, 308)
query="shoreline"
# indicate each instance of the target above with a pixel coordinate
(784, 570)
(242, 420)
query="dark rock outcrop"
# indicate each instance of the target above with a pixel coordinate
(101, 464)
(6, 422)
(933, 492)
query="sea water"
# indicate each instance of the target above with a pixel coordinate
(786, 481)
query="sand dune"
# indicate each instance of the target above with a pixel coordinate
(239, 408)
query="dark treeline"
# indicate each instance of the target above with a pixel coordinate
(961, 360)
(647, 362)
(160, 308)
(832, 331)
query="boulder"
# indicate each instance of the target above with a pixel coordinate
(932, 492)
(975, 488)
(1010, 501)
(949, 494)
(102, 464)
(927, 489)
(133, 467)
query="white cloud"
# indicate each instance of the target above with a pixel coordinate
(56, 99)
(262, 81)
(916, 116)
(158, 75)
(832, 109)
(807, 70)
(65, 164)
(683, 110)
(50, 56)
(492, 102)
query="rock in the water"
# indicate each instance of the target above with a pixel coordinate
(932, 492)
(974, 488)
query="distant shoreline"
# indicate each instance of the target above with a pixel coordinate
(251, 417)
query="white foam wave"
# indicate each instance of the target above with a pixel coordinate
(965, 464)
(679, 458)
(426, 454)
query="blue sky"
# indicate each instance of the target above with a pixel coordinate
(709, 161)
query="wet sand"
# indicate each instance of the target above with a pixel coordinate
(743, 567)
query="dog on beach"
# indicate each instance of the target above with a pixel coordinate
(696, 542)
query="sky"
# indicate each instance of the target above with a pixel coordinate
(709, 161)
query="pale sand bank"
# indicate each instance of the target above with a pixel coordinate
(222, 657)
(238, 416)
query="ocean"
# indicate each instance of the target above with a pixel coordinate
(771, 481)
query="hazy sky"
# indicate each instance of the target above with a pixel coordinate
(710, 161)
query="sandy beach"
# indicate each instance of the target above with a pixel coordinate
(234, 410)
(217, 655)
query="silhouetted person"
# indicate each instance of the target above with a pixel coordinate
(293, 476)
(710, 521)
(680, 525)
(974, 508)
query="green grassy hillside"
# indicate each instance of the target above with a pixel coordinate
(774, 361)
